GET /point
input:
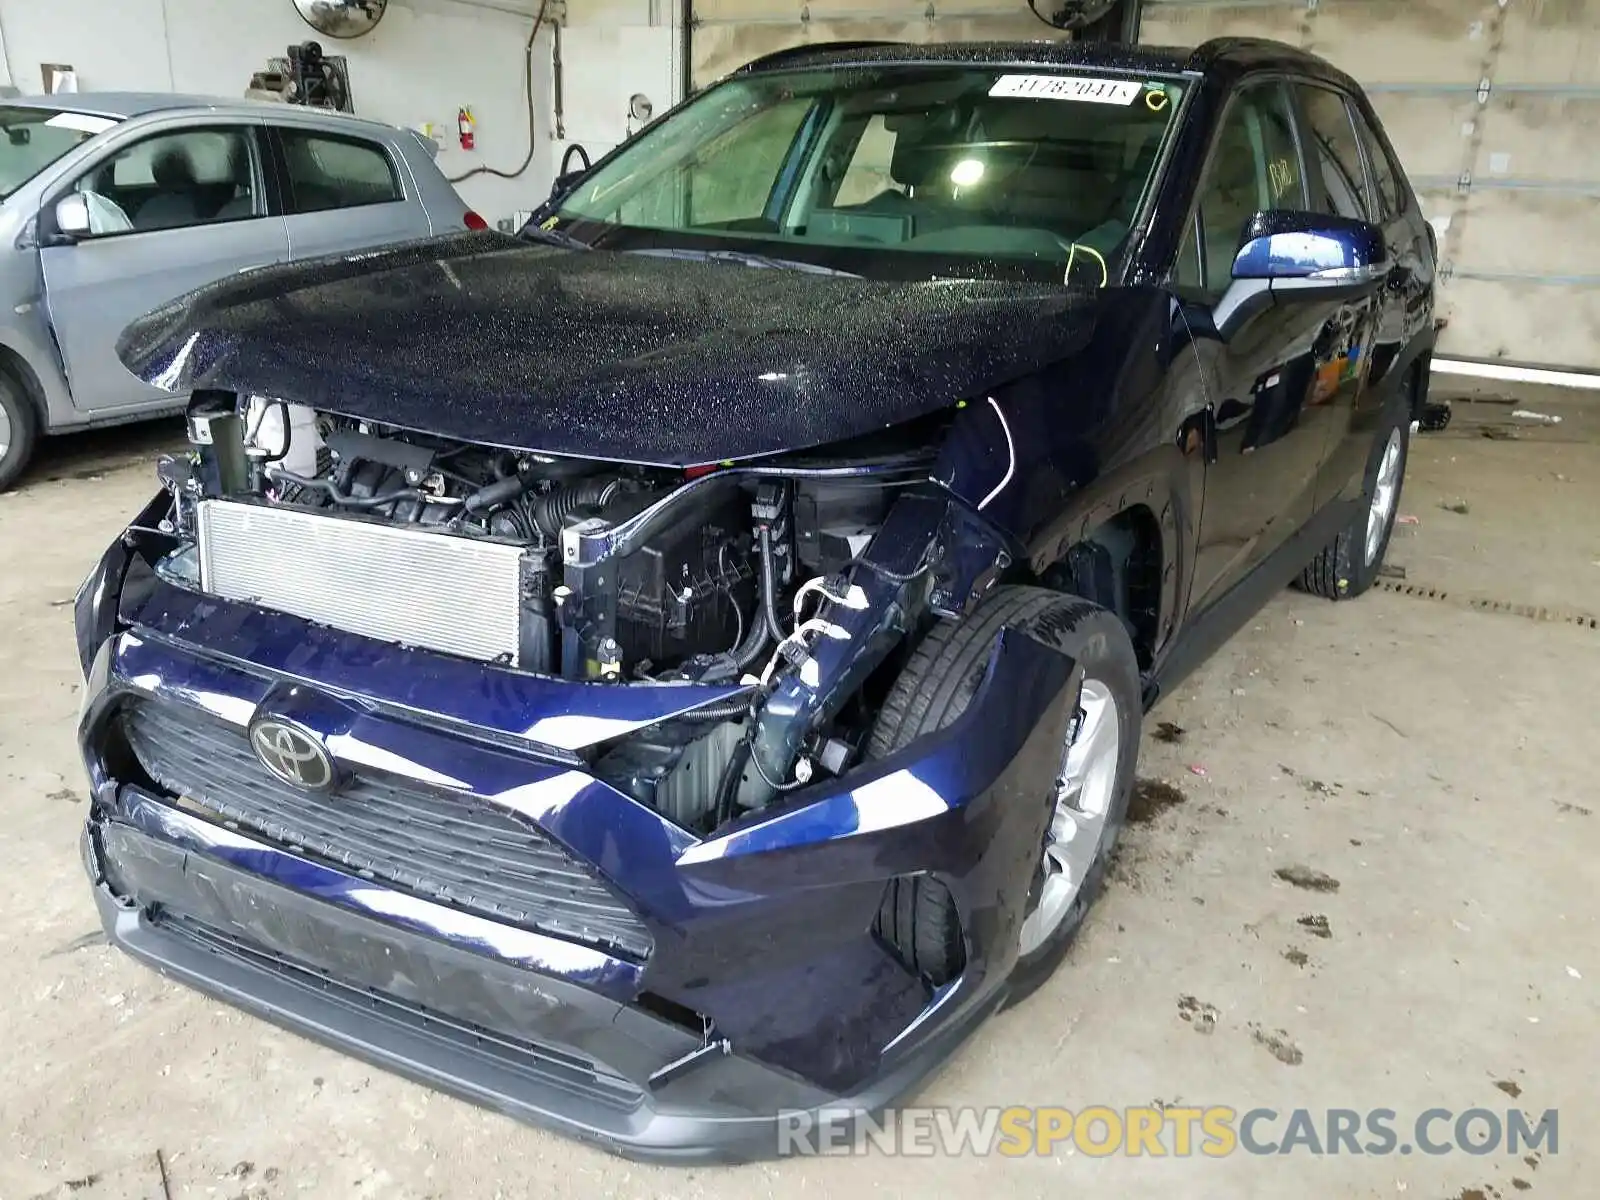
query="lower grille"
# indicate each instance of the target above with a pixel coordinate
(573, 1073)
(413, 586)
(444, 846)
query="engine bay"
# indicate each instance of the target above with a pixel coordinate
(597, 572)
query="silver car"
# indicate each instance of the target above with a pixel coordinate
(113, 204)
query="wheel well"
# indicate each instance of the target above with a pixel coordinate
(1417, 381)
(16, 369)
(1118, 566)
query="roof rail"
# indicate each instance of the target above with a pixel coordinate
(778, 57)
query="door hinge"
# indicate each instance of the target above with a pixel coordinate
(1464, 184)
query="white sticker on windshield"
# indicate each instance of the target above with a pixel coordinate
(82, 122)
(1068, 87)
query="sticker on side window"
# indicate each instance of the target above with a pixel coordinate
(1067, 87)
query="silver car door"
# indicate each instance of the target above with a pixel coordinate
(343, 191)
(169, 212)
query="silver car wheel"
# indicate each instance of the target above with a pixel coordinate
(5, 432)
(1084, 792)
(1385, 494)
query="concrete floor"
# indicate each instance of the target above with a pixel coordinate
(1431, 753)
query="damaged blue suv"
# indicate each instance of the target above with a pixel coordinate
(682, 666)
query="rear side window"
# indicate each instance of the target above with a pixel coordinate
(1385, 171)
(326, 172)
(1338, 179)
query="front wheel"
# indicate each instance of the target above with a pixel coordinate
(19, 432)
(1087, 799)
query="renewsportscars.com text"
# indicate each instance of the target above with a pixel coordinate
(1174, 1131)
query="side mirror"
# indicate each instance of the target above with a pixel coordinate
(1301, 255)
(1313, 251)
(566, 181)
(72, 215)
(568, 176)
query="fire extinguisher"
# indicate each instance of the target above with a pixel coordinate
(468, 129)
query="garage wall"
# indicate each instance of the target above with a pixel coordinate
(726, 34)
(610, 51)
(426, 59)
(1494, 106)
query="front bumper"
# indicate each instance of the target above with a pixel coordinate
(480, 1029)
(767, 996)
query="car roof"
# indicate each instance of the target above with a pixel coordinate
(1225, 55)
(125, 105)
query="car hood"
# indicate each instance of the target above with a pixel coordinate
(493, 339)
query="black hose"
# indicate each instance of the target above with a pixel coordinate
(288, 434)
(769, 599)
(331, 490)
(527, 80)
(566, 159)
(501, 491)
(754, 644)
(885, 573)
(725, 711)
(551, 510)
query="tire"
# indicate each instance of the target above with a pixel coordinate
(1347, 566)
(919, 916)
(19, 432)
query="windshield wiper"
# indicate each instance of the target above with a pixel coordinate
(745, 259)
(553, 237)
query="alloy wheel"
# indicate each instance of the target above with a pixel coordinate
(1083, 795)
(1385, 494)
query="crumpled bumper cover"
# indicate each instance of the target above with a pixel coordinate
(767, 991)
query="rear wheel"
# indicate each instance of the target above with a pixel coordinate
(19, 432)
(1087, 800)
(1349, 565)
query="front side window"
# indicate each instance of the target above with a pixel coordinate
(1254, 167)
(896, 171)
(1339, 182)
(326, 171)
(172, 180)
(36, 137)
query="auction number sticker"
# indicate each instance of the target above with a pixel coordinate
(1068, 87)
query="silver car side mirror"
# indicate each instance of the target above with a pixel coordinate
(72, 215)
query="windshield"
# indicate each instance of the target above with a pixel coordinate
(36, 137)
(895, 172)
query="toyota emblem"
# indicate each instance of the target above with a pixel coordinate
(294, 755)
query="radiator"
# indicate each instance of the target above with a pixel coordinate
(413, 586)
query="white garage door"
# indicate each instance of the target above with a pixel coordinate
(1494, 106)
(725, 34)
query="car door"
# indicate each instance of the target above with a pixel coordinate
(169, 212)
(342, 191)
(1263, 372)
(1351, 381)
(1402, 306)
